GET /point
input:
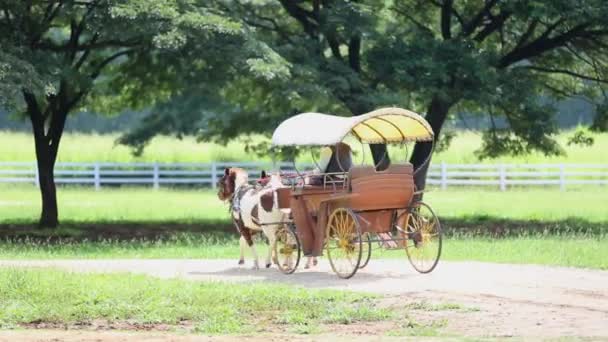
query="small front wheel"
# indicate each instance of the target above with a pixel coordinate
(287, 249)
(343, 242)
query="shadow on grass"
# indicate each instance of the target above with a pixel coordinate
(117, 231)
(477, 226)
(488, 226)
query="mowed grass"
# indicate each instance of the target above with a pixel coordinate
(547, 226)
(103, 148)
(30, 297)
(22, 204)
(78, 204)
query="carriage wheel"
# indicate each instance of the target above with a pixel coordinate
(287, 249)
(343, 242)
(366, 250)
(423, 232)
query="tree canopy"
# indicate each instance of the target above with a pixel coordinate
(506, 60)
(223, 68)
(59, 56)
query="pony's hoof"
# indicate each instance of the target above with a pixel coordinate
(268, 265)
(241, 262)
(315, 262)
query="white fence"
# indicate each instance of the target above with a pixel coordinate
(501, 176)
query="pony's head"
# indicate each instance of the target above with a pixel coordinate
(233, 177)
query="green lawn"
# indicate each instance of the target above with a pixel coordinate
(52, 297)
(22, 204)
(534, 226)
(102, 148)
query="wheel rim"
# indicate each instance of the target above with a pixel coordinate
(343, 242)
(423, 232)
(287, 250)
(366, 250)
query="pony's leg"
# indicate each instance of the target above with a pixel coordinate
(272, 238)
(311, 261)
(256, 261)
(242, 245)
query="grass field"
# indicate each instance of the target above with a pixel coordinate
(22, 204)
(54, 299)
(535, 226)
(102, 148)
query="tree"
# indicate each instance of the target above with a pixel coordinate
(59, 56)
(507, 60)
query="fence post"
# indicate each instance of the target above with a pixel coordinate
(213, 176)
(444, 176)
(502, 172)
(97, 176)
(36, 179)
(155, 176)
(562, 177)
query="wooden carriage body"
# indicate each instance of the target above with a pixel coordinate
(344, 209)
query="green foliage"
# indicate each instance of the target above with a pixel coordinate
(581, 137)
(501, 59)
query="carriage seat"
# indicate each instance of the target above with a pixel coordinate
(390, 188)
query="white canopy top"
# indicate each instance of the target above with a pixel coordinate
(386, 125)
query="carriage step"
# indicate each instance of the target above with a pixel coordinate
(386, 241)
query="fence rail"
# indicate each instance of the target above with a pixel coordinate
(501, 176)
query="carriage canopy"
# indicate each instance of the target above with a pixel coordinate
(386, 125)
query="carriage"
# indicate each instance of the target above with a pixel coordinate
(347, 212)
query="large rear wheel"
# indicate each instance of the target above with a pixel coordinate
(287, 249)
(423, 233)
(344, 242)
(366, 250)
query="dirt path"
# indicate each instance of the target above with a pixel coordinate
(495, 299)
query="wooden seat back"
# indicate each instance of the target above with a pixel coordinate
(390, 188)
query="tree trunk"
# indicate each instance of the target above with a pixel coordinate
(47, 145)
(380, 154)
(49, 218)
(436, 116)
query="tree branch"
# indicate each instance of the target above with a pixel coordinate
(354, 48)
(454, 12)
(541, 45)
(85, 54)
(418, 24)
(495, 24)
(33, 110)
(529, 32)
(301, 15)
(472, 25)
(109, 60)
(334, 45)
(111, 43)
(446, 19)
(565, 72)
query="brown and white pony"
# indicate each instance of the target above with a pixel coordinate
(252, 208)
